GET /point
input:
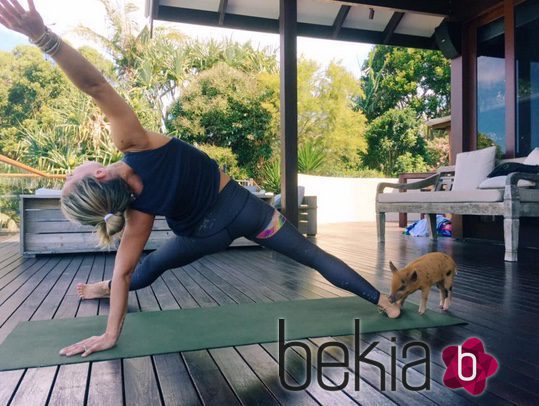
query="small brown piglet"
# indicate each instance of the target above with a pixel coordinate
(433, 268)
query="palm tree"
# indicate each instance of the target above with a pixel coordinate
(154, 64)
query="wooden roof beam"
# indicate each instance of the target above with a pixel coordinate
(339, 20)
(391, 26)
(222, 11)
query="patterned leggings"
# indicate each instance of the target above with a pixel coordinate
(236, 213)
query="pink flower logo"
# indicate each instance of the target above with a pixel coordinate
(468, 366)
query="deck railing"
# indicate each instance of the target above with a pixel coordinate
(17, 178)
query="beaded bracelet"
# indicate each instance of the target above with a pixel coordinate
(48, 42)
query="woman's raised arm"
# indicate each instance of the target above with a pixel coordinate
(126, 130)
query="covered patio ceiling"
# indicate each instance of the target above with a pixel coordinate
(409, 23)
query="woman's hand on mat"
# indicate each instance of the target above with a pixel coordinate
(16, 18)
(90, 345)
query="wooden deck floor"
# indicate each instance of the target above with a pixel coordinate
(497, 299)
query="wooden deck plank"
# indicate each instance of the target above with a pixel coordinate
(70, 379)
(266, 368)
(140, 385)
(70, 302)
(175, 381)
(106, 383)
(24, 302)
(13, 268)
(243, 381)
(70, 386)
(28, 310)
(171, 379)
(14, 281)
(360, 397)
(211, 386)
(140, 382)
(10, 380)
(35, 386)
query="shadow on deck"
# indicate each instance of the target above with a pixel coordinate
(497, 299)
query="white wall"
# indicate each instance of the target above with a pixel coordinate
(342, 200)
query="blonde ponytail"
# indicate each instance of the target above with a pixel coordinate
(109, 227)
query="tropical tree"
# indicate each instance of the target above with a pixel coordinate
(395, 144)
(327, 115)
(204, 55)
(154, 66)
(224, 107)
(396, 77)
(29, 86)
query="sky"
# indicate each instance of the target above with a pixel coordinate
(62, 16)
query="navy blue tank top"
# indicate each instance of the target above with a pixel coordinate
(180, 182)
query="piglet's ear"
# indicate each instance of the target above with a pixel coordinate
(413, 276)
(393, 267)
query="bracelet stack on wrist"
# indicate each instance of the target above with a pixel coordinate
(48, 42)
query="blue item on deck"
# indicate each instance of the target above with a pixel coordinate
(421, 229)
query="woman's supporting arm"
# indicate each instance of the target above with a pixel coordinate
(134, 238)
(126, 130)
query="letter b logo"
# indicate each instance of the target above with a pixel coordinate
(461, 367)
(468, 366)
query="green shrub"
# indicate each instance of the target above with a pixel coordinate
(225, 158)
(352, 173)
(395, 144)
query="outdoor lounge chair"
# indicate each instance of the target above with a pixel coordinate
(511, 197)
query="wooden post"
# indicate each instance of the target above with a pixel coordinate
(510, 79)
(289, 109)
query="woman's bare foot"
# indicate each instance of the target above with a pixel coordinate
(93, 290)
(391, 309)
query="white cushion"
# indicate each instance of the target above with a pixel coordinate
(472, 168)
(489, 195)
(532, 158)
(498, 182)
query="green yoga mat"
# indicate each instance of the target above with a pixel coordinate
(36, 343)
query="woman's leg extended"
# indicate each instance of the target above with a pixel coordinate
(176, 252)
(284, 238)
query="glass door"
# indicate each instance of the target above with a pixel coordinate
(490, 90)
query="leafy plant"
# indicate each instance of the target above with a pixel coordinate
(271, 176)
(310, 157)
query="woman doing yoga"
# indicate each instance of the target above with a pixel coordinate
(159, 175)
